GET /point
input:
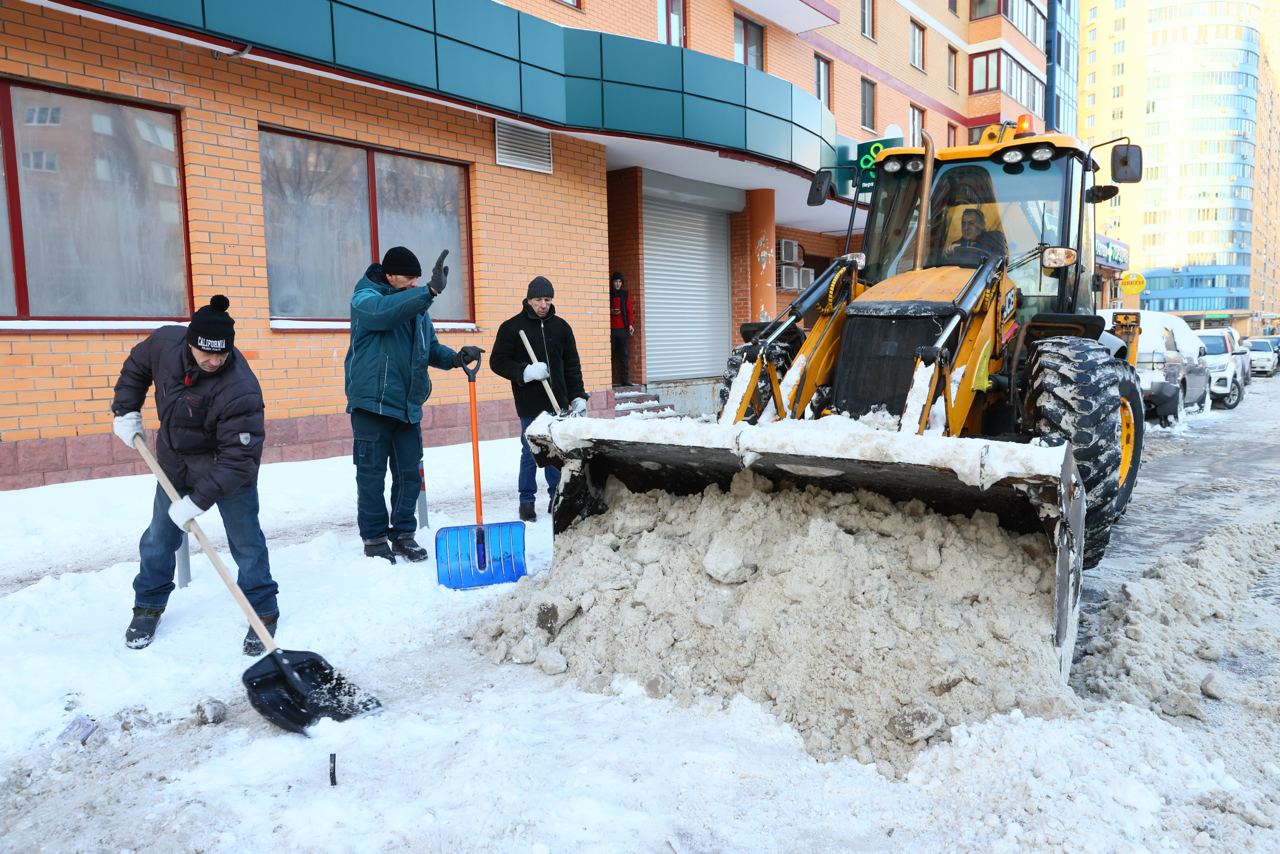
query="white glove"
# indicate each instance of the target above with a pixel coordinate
(183, 511)
(536, 371)
(127, 426)
(578, 406)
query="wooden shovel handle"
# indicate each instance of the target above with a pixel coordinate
(555, 407)
(194, 527)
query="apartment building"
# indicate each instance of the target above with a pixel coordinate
(156, 153)
(1187, 79)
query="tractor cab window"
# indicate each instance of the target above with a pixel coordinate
(977, 208)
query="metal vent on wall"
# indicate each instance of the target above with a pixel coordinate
(523, 148)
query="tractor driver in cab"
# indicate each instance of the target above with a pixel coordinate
(976, 243)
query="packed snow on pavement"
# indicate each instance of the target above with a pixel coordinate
(1165, 740)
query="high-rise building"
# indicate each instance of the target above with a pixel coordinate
(1062, 54)
(1184, 79)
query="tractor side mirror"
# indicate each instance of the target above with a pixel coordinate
(1101, 193)
(821, 187)
(1126, 164)
(1055, 257)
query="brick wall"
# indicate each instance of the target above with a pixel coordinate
(626, 252)
(55, 387)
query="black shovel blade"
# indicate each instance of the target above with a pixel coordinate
(293, 689)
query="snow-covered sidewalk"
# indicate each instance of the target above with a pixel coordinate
(471, 756)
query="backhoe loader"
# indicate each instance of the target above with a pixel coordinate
(965, 323)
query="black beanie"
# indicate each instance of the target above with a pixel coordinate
(212, 329)
(399, 261)
(540, 287)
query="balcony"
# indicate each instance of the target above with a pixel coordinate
(798, 16)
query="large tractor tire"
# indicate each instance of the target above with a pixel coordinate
(1081, 396)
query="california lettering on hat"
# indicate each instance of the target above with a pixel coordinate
(212, 329)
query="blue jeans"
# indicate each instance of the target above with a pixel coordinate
(239, 511)
(379, 440)
(528, 483)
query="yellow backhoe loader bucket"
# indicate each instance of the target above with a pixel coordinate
(1028, 487)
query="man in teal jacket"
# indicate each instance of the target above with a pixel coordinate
(392, 343)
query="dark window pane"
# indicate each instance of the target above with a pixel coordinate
(316, 203)
(423, 205)
(101, 215)
(8, 284)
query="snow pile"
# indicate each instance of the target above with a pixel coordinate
(870, 627)
(1193, 639)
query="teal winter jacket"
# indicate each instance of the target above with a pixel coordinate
(392, 343)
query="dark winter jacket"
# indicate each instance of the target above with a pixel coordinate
(211, 425)
(552, 340)
(392, 343)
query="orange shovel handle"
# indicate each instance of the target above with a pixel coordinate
(475, 440)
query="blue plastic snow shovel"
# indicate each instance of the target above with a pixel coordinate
(479, 555)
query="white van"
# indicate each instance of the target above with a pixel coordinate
(1171, 365)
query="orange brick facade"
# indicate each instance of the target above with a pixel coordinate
(55, 387)
(573, 226)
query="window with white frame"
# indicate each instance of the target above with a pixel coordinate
(319, 209)
(917, 125)
(671, 22)
(953, 60)
(95, 206)
(917, 45)
(868, 104)
(869, 18)
(822, 80)
(748, 43)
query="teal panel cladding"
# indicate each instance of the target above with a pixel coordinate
(478, 75)
(480, 23)
(383, 47)
(583, 102)
(806, 149)
(768, 94)
(768, 136)
(709, 77)
(294, 26)
(415, 13)
(541, 44)
(179, 11)
(714, 122)
(582, 53)
(542, 94)
(641, 63)
(485, 53)
(637, 109)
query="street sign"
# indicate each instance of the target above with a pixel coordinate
(1133, 283)
(867, 153)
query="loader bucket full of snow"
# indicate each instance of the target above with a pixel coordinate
(1029, 488)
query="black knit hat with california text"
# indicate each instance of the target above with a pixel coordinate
(212, 329)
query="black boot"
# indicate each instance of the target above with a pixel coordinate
(407, 547)
(527, 513)
(551, 503)
(253, 644)
(142, 628)
(378, 548)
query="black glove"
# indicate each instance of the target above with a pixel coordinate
(439, 275)
(466, 355)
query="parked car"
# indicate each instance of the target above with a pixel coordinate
(1241, 349)
(1171, 365)
(1226, 380)
(1274, 339)
(1263, 356)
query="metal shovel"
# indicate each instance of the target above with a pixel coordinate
(479, 555)
(291, 688)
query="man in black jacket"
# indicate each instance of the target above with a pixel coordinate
(556, 361)
(210, 446)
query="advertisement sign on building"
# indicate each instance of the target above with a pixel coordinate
(867, 153)
(1111, 253)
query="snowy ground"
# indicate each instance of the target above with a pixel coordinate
(470, 756)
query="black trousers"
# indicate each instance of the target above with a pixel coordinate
(618, 338)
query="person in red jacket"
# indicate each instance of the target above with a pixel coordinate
(621, 326)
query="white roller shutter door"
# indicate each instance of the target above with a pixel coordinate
(686, 291)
